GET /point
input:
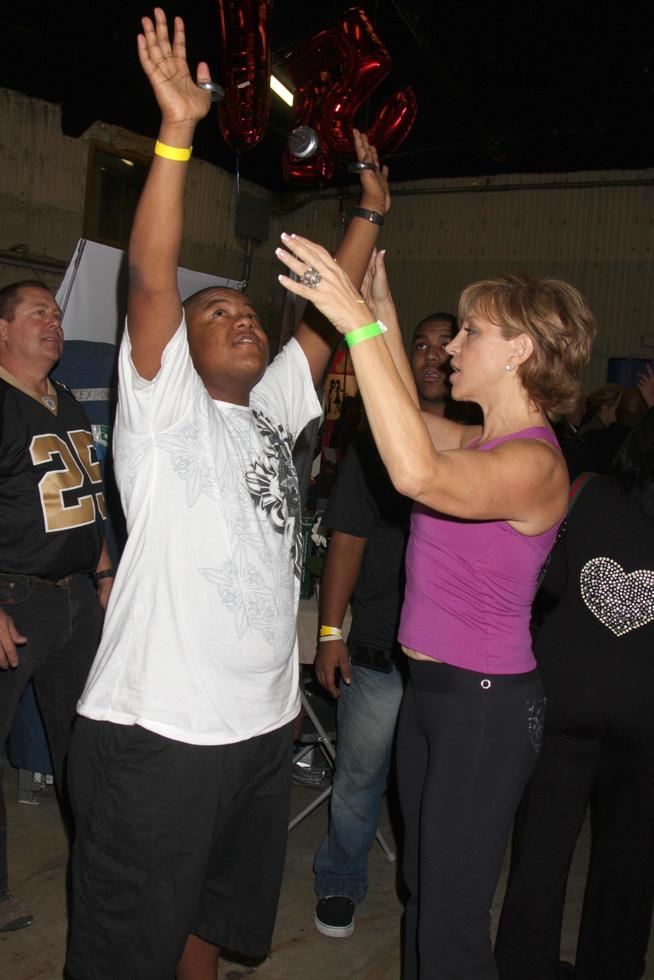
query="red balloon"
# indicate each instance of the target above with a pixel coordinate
(366, 65)
(312, 83)
(394, 120)
(318, 169)
(244, 71)
(334, 73)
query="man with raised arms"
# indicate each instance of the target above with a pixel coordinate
(181, 761)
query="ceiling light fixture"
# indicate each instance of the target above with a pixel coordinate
(280, 89)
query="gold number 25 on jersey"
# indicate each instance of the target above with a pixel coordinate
(58, 515)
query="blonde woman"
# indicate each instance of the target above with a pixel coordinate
(488, 503)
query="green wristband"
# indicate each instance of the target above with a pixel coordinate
(364, 333)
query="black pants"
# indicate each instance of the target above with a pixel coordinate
(62, 626)
(605, 757)
(467, 744)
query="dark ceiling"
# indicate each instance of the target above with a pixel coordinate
(502, 87)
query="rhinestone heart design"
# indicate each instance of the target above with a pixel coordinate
(621, 601)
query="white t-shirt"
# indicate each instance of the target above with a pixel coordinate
(199, 641)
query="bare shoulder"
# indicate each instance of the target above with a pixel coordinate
(522, 481)
(541, 480)
(533, 456)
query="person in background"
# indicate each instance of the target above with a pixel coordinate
(52, 514)
(578, 455)
(605, 443)
(603, 403)
(646, 385)
(364, 565)
(594, 653)
(574, 417)
(181, 763)
(345, 427)
(488, 504)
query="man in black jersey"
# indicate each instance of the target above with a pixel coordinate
(364, 565)
(51, 538)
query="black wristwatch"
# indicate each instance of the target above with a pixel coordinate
(374, 216)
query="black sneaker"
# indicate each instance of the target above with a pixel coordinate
(13, 915)
(335, 916)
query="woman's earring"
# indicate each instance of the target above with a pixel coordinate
(509, 367)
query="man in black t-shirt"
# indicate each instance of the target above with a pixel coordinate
(369, 520)
(52, 515)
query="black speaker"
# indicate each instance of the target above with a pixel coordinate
(252, 217)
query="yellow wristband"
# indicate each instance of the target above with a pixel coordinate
(331, 631)
(181, 153)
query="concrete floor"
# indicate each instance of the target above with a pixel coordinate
(38, 854)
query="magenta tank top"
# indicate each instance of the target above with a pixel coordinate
(470, 586)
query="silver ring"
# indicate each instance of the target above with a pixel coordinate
(217, 91)
(354, 168)
(311, 278)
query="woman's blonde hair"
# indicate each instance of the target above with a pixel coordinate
(556, 317)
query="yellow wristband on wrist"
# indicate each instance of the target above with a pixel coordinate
(364, 333)
(331, 631)
(181, 153)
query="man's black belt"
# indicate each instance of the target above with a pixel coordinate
(60, 583)
(375, 658)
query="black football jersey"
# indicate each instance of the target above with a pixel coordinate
(52, 508)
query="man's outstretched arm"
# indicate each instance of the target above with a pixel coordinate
(154, 306)
(315, 334)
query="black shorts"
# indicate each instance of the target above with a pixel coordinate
(173, 839)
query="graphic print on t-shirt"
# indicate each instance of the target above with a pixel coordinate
(199, 643)
(272, 482)
(256, 485)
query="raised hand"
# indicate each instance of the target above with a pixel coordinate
(374, 288)
(646, 385)
(178, 96)
(333, 293)
(375, 194)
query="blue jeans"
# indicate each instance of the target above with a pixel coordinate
(62, 626)
(367, 713)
